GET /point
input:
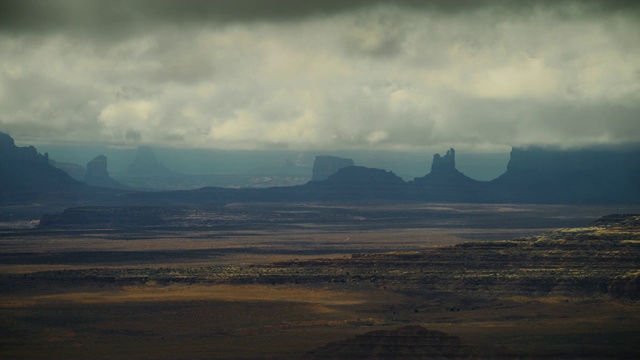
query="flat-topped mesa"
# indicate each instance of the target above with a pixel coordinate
(598, 174)
(446, 163)
(325, 166)
(363, 176)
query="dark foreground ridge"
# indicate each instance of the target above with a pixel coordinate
(404, 343)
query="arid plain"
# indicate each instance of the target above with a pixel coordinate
(310, 280)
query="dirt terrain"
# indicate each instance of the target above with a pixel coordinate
(413, 281)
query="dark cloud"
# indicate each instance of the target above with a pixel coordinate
(120, 16)
(321, 74)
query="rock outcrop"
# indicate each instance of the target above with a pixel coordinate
(444, 172)
(444, 164)
(23, 169)
(97, 168)
(96, 174)
(361, 175)
(626, 285)
(357, 183)
(598, 175)
(147, 165)
(446, 183)
(534, 175)
(325, 166)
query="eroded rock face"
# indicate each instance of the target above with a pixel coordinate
(446, 163)
(145, 155)
(445, 177)
(97, 174)
(24, 169)
(146, 164)
(364, 176)
(325, 166)
(6, 142)
(596, 175)
(97, 168)
(357, 183)
(627, 285)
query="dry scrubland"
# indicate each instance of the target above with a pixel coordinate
(517, 290)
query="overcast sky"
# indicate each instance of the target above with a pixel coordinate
(303, 75)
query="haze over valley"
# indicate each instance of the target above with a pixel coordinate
(283, 179)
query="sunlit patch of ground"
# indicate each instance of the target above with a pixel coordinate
(155, 293)
(228, 321)
(185, 321)
(196, 294)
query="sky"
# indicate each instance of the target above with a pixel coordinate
(480, 76)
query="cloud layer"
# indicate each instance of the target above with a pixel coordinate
(332, 75)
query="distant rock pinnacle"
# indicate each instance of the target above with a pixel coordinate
(97, 168)
(147, 165)
(145, 156)
(97, 174)
(445, 176)
(446, 163)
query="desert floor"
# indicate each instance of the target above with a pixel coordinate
(184, 319)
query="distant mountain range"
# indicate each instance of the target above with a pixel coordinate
(533, 175)
(147, 172)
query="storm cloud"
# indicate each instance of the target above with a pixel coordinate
(321, 74)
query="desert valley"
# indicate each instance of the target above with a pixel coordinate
(219, 273)
(319, 180)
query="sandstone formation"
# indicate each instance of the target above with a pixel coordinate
(444, 164)
(363, 176)
(325, 166)
(597, 175)
(97, 168)
(446, 183)
(355, 183)
(96, 174)
(24, 169)
(625, 285)
(147, 165)
(444, 172)
(534, 175)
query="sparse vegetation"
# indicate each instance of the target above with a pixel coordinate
(566, 292)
